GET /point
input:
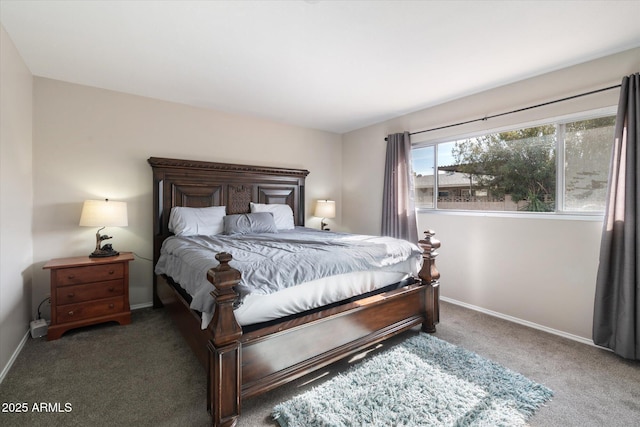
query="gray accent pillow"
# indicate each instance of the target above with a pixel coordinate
(259, 222)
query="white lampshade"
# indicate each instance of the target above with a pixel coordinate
(104, 213)
(325, 209)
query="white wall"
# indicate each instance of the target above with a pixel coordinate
(93, 143)
(538, 271)
(16, 199)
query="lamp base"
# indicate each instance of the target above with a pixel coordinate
(101, 253)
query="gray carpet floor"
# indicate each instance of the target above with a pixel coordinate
(143, 374)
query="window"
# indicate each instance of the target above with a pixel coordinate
(560, 166)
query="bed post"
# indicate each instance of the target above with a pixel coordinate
(430, 275)
(224, 376)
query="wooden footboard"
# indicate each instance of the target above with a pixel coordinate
(241, 366)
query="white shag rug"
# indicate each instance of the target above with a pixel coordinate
(423, 381)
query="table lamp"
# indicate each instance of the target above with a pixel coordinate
(325, 209)
(103, 213)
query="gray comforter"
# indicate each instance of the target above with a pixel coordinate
(270, 262)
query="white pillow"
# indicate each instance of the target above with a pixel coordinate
(282, 214)
(197, 221)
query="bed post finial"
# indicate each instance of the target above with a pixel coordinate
(224, 380)
(429, 275)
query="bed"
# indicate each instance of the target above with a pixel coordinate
(244, 361)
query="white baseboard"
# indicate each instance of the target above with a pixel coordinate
(523, 322)
(140, 306)
(14, 356)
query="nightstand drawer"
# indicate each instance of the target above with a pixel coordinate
(94, 273)
(73, 312)
(89, 292)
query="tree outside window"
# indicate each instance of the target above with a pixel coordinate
(520, 164)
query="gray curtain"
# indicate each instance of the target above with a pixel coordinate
(616, 319)
(398, 207)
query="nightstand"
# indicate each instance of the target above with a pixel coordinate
(86, 291)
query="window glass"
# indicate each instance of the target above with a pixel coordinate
(515, 171)
(423, 166)
(587, 153)
(506, 171)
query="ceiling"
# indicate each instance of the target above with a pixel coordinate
(330, 65)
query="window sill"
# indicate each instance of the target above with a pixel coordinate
(595, 217)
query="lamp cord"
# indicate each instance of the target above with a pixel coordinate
(40, 305)
(141, 257)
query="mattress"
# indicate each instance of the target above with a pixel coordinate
(288, 272)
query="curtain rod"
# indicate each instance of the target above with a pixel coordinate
(485, 118)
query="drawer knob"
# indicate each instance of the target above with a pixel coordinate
(71, 277)
(71, 313)
(111, 271)
(112, 289)
(71, 295)
(110, 305)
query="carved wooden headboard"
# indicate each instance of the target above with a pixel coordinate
(200, 184)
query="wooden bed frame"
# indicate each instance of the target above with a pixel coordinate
(242, 364)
